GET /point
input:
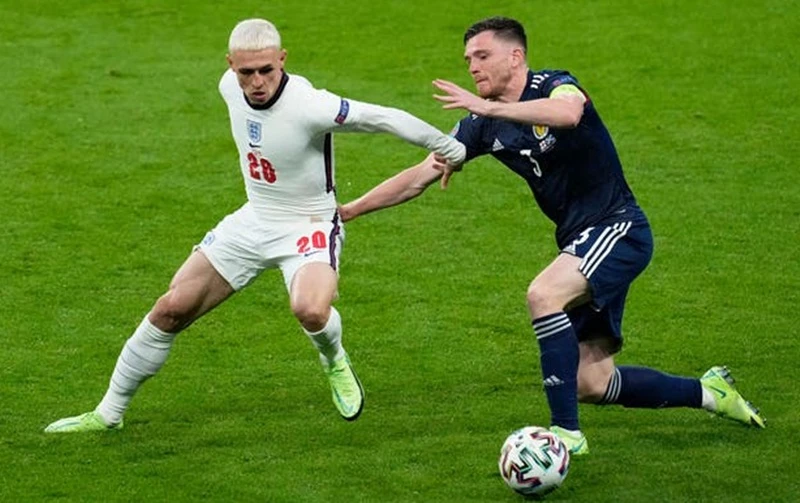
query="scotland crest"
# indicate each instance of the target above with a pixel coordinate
(539, 132)
(254, 131)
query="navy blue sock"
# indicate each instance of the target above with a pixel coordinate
(559, 355)
(642, 387)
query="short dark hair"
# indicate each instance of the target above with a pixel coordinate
(503, 27)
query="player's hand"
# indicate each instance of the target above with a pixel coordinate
(458, 97)
(447, 169)
(345, 212)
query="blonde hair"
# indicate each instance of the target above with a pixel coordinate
(254, 35)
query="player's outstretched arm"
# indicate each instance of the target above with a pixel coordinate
(398, 189)
(564, 107)
(367, 117)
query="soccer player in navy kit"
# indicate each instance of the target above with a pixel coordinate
(544, 127)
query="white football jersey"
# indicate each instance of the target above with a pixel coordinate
(286, 147)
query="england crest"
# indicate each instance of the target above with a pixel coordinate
(254, 131)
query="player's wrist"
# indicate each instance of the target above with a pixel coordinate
(489, 108)
(349, 211)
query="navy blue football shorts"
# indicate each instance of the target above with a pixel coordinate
(612, 256)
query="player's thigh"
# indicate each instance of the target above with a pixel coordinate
(226, 260)
(595, 368)
(197, 274)
(310, 268)
(195, 289)
(558, 286)
(313, 288)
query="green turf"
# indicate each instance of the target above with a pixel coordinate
(116, 157)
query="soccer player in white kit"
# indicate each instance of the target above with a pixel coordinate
(282, 129)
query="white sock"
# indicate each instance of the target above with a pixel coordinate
(144, 353)
(328, 341)
(708, 400)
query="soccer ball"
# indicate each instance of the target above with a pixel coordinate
(533, 460)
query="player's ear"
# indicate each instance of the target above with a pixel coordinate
(229, 60)
(518, 57)
(282, 59)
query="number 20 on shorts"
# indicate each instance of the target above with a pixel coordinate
(318, 240)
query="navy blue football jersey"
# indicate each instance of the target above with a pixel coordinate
(574, 173)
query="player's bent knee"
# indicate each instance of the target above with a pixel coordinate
(591, 390)
(170, 314)
(312, 316)
(540, 302)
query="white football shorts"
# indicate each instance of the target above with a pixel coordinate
(243, 246)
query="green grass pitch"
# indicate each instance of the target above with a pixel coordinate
(116, 158)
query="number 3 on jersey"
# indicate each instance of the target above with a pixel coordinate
(261, 168)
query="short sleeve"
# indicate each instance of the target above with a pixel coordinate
(559, 79)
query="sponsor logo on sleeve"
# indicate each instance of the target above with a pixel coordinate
(344, 109)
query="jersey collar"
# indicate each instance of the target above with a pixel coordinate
(268, 104)
(528, 84)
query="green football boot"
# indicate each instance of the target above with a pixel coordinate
(90, 421)
(348, 395)
(730, 404)
(575, 442)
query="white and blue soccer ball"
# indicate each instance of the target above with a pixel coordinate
(533, 460)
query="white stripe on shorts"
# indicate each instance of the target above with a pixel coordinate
(602, 247)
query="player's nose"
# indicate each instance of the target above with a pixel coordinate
(258, 80)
